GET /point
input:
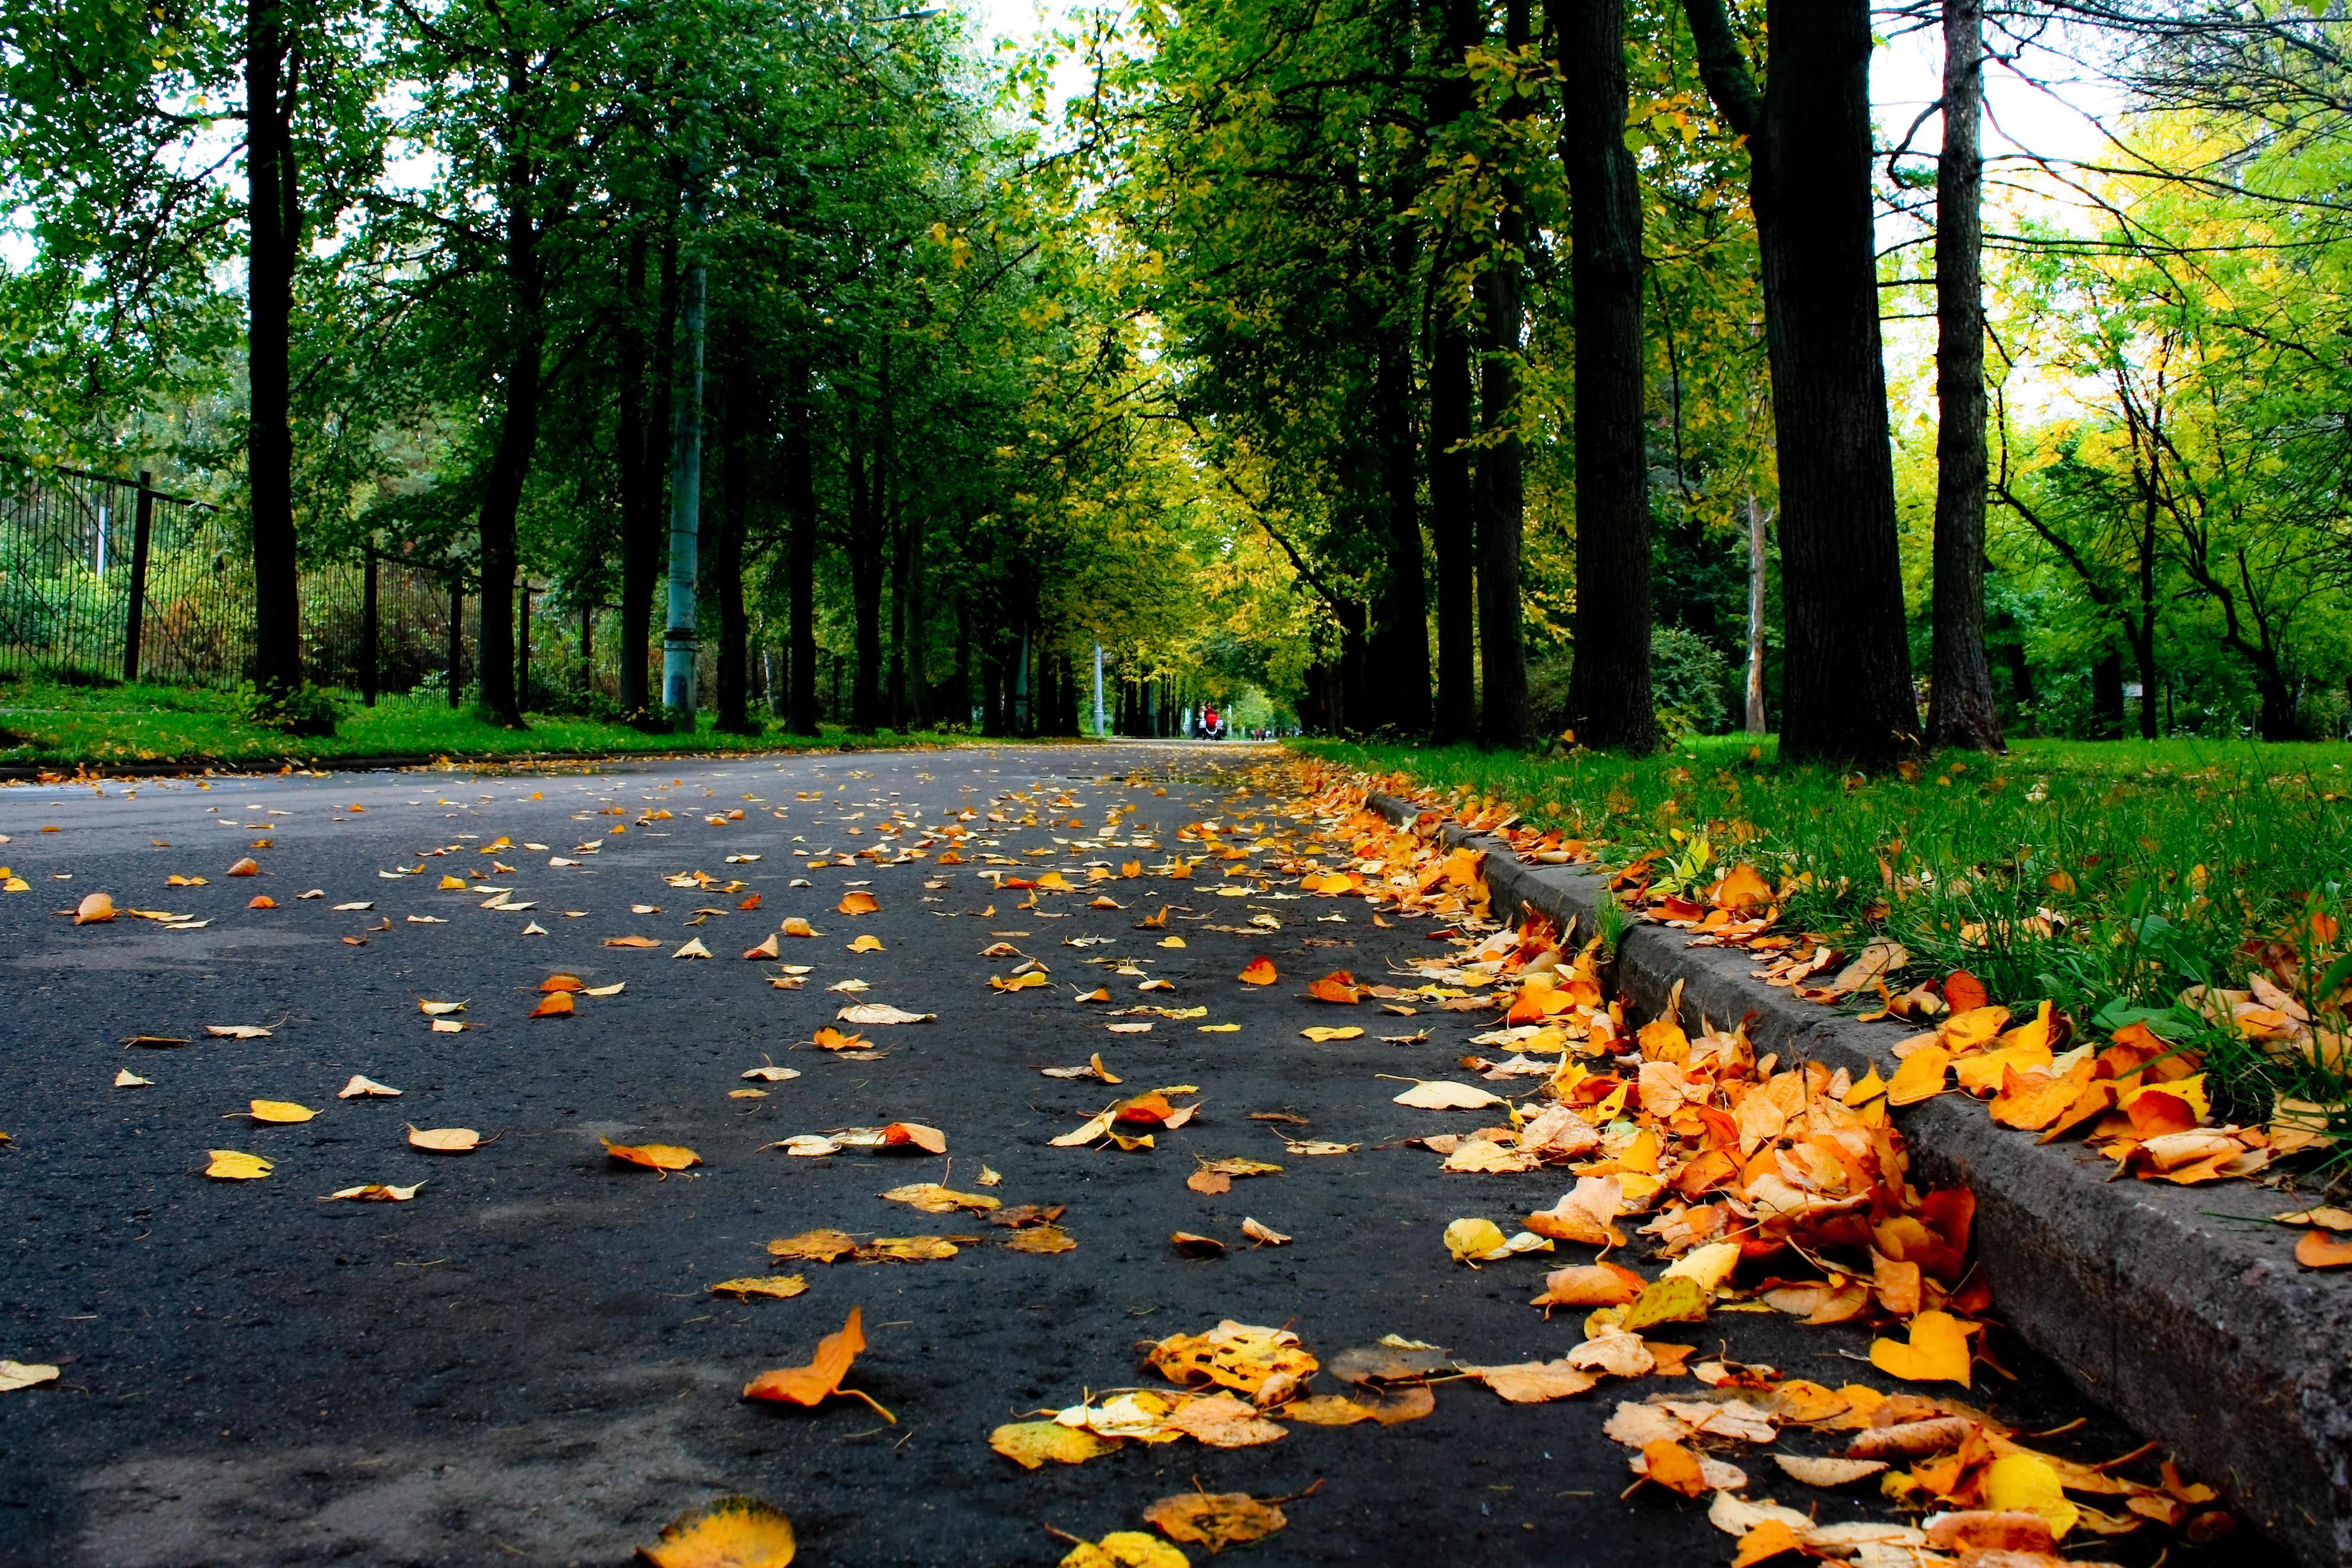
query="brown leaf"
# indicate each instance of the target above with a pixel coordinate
(554, 1005)
(1193, 1246)
(1216, 1519)
(1265, 1234)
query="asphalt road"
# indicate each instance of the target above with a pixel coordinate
(524, 1364)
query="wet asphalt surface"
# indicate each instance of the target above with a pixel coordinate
(524, 1364)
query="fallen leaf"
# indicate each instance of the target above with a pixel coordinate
(246, 867)
(445, 1140)
(932, 1198)
(375, 1192)
(693, 949)
(1216, 1519)
(2326, 1219)
(127, 1079)
(772, 1073)
(821, 1378)
(1674, 1467)
(857, 901)
(1533, 1382)
(230, 1164)
(1222, 1421)
(732, 1532)
(2319, 1249)
(554, 1005)
(1437, 1094)
(880, 1013)
(914, 1135)
(1192, 1246)
(437, 1009)
(16, 1375)
(1263, 1235)
(1827, 1472)
(1043, 1239)
(237, 1031)
(1259, 972)
(1769, 1539)
(1322, 1036)
(613, 989)
(1241, 1356)
(816, 1246)
(1938, 1351)
(906, 1250)
(777, 1286)
(631, 942)
(281, 1111)
(95, 909)
(662, 1158)
(1030, 1443)
(766, 949)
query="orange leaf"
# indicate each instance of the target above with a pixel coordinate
(2319, 1249)
(1338, 986)
(1742, 888)
(857, 901)
(246, 867)
(821, 1378)
(796, 926)
(831, 1038)
(93, 910)
(914, 1135)
(1769, 1539)
(662, 1158)
(1963, 992)
(1674, 1467)
(1921, 1076)
(262, 901)
(561, 983)
(554, 1005)
(751, 903)
(1259, 973)
(631, 942)
(1938, 1351)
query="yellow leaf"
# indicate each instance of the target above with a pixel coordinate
(1938, 1351)
(1474, 1238)
(1674, 1299)
(773, 1285)
(375, 1192)
(2025, 1484)
(1322, 1036)
(1769, 1539)
(1216, 1519)
(662, 1158)
(229, 1164)
(1030, 1443)
(1125, 1549)
(281, 1111)
(1921, 1076)
(870, 943)
(445, 1140)
(733, 1532)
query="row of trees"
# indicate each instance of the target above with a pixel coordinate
(1361, 352)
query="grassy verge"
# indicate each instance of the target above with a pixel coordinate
(45, 723)
(2110, 876)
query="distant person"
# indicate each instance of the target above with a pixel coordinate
(1208, 724)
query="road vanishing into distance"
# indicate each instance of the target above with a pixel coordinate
(525, 1361)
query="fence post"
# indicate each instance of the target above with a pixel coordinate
(143, 522)
(368, 659)
(457, 642)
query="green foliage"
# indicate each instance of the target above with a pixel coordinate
(309, 710)
(1691, 681)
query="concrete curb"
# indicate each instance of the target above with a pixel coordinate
(2197, 1328)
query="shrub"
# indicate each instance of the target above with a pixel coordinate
(307, 710)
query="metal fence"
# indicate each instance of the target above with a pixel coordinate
(110, 577)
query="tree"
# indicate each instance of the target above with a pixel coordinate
(1960, 692)
(1611, 696)
(1848, 682)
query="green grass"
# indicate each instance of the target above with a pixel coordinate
(2108, 876)
(44, 723)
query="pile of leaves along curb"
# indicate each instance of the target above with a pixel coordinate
(2136, 1097)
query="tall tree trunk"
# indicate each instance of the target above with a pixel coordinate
(1502, 506)
(1401, 640)
(799, 570)
(518, 422)
(274, 214)
(738, 422)
(916, 639)
(896, 686)
(1610, 691)
(1756, 560)
(640, 541)
(1847, 693)
(1452, 504)
(641, 577)
(865, 588)
(1961, 709)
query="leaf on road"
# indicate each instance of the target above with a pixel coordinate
(1260, 971)
(1323, 1036)
(1533, 1382)
(821, 1378)
(277, 1110)
(554, 1005)
(857, 901)
(375, 1192)
(2319, 1249)
(1216, 1519)
(662, 1158)
(16, 1375)
(770, 1285)
(871, 1013)
(932, 1198)
(94, 910)
(870, 943)
(631, 942)
(445, 1140)
(1827, 1472)
(1438, 1094)
(237, 1031)
(1043, 1239)
(814, 1245)
(1938, 1351)
(1030, 1443)
(247, 866)
(232, 1165)
(439, 1009)
(795, 926)
(126, 1079)
(771, 1073)
(732, 1532)
(1236, 1355)
(1263, 1235)
(693, 949)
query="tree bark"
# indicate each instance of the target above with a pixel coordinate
(1452, 505)
(2108, 694)
(652, 489)
(1609, 689)
(518, 422)
(1847, 691)
(274, 217)
(1961, 709)
(800, 496)
(1756, 562)
(1402, 636)
(865, 588)
(739, 422)
(640, 539)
